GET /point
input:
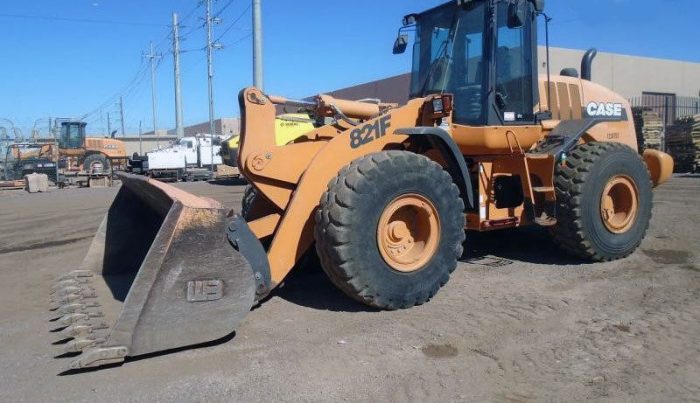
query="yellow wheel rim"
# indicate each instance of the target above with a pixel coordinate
(408, 233)
(619, 204)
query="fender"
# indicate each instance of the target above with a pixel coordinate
(567, 134)
(457, 166)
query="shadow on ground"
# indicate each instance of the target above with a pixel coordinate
(229, 182)
(308, 285)
(68, 372)
(527, 244)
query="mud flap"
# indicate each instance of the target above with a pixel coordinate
(160, 274)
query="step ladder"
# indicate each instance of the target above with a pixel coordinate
(543, 196)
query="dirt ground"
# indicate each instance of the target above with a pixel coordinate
(518, 322)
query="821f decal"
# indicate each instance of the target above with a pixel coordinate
(370, 132)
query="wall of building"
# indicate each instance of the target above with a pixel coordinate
(393, 89)
(225, 126)
(630, 76)
(150, 143)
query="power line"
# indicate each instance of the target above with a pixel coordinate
(186, 17)
(239, 40)
(191, 12)
(230, 27)
(134, 87)
(223, 9)
(142, 69)
(82, 20)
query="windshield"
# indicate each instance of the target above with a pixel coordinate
(72, 134)
(448, 56)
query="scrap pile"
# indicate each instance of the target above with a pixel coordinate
(683, 143)
(652, 129)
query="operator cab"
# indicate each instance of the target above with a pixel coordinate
(72, 135)
(484, 52)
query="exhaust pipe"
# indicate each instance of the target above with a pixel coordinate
(160, 274)
(587, 62)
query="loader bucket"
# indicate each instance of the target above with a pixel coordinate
(160, 274)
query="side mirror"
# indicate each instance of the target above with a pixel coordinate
(409, 20)
(401, 44)
(539, 5)
(517, 14)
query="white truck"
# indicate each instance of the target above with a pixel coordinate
(190, 158)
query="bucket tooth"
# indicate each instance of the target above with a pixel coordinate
(70, 298)
(76, 307)
(96, 357)
(74, 318)
(79, 345)
(83, 330)
(73, 290)
(77, 282)
(74, 296)
(76, 274)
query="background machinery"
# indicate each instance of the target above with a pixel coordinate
(21, 159)
(78, 152)
(190, 158)
(288, 127)
(384, 192)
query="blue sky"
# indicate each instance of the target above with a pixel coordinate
(55, 67)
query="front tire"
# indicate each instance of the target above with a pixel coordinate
(248, 201)
(604, 201)
(390, 228)
(92, 159)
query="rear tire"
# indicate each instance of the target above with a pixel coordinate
(587, 224)
(351, 235)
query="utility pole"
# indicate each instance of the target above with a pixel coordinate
(210, 73)
(121, 113)
(152, 56)
(109, 126)
(180, 130)
(257, 45)
(140, 139)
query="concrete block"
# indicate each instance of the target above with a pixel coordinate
(34, 183)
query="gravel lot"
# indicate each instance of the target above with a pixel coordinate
(518, 322)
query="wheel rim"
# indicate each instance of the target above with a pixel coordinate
(619, 204)
(408, 233)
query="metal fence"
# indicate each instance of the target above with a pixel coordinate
(668, 106)
(671, 124)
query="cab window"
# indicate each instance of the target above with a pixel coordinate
(514, 74)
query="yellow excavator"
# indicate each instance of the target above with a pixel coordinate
(382, 193)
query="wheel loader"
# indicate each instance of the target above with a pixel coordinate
(78, 152)
(382, 193)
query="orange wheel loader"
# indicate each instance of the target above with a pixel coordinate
(382, 193)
